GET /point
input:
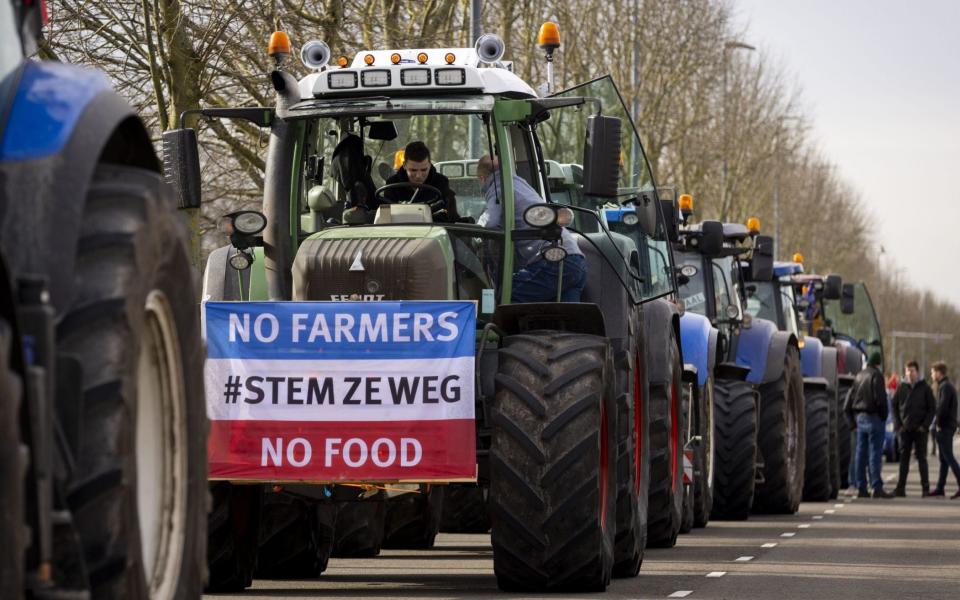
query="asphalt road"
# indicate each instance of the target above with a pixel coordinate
(848, 549)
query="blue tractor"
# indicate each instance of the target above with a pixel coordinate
(102, 420)
(794, 300)
(758, 414)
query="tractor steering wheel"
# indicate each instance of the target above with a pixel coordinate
(423, 193)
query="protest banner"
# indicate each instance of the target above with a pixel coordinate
(341, 391)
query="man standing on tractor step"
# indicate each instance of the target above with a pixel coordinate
(946, 427)
(535, 279)
(418, 169)
(913, 411)
(867, 403)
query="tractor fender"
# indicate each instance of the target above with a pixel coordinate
(752, 348)
(829, 367)
(698, 338)
(660, 318)
(63, 121)
(779, 342)
(811, 357)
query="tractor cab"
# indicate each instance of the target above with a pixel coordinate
(854, 320)
(774, 299)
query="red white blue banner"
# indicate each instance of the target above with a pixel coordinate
(341, 391)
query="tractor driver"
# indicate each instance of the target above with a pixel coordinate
(535, 279)
(417, 169)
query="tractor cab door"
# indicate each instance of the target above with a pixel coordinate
(861, 326)
(562, 140)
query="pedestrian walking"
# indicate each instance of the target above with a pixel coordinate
(946, 422)
(913, 411)
(867, 405)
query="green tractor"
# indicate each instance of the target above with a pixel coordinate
(566, 421)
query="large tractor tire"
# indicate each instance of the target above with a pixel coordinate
(295, 542)
(667, 440)
(138, 492)
(413, 520)
(782, 440)
(816, 479)
(704, 457)
(688, 404)
(12, 467)
(359, 527)
(844, 447)
(465, 509)
(834, 445)
(735, 449)
(633, 459)
(233, 532)
(553, 463)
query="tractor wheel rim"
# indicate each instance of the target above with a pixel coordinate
(160, 442)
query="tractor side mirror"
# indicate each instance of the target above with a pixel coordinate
(669, 209)
(761, 268)
(846, 299)
(181, 166)
(711, 238)
(833, 287)
(601, 157)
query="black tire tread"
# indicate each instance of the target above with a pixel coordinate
(816, 479)
(735, 449)
(666, 499)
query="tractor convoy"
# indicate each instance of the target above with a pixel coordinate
(371, 378)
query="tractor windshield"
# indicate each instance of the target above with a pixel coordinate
(693, 291)
(861, 326)
(762, 303)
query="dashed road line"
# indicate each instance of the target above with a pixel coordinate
(743, 559)
(829, 511)
(716, 573)
(788, 534)
(769, 545)
(817, 517)
(680, 594)
(839, 505)
(803, 526)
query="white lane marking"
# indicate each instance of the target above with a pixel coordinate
(804, 526)
(817, 517)
(829, 511)
(680, 594)
(890, 478)
(788, 534)
(838, 505)
(743, 559)
(769, 545)
(716, 573)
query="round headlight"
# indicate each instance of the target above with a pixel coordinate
(630, 219)
(688, 270)
(564, 217)
(241, 261)
(732, 311)
(554, 254)
(540, 215)
(249, 222)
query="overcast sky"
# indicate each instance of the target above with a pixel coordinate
(881, 82)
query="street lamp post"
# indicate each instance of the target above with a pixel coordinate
(729, 45)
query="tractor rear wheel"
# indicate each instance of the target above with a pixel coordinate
(834, 445)
(633, 456)
(138, 492)
(359, 527)
(294, 542)
(667, 440)
(413, 520)
(844, 447)
(816, 479)
(465, 509)
(704, 457)
(782, 440)
(735, 449)
(12, 540)
(233, 528)
(553, 463)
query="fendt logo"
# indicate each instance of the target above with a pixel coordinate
(356, 297)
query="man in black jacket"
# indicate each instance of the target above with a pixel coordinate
(913, 410)
(417, 169)
(867, 404)
(946, 427)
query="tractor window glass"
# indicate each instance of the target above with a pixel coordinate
(762, 303)
(721, 286)
(478, 257)
(693, 291)
(787, 310)
(861, 327)
(10, 51)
